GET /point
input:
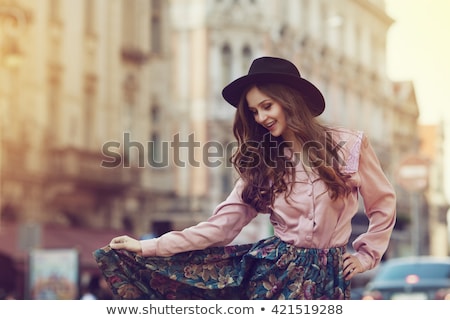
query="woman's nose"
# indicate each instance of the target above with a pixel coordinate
(261, 117)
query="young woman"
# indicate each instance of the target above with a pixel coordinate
(305, 175)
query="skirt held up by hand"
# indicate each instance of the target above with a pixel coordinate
(268, 269)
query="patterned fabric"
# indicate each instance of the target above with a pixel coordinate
(268, 269)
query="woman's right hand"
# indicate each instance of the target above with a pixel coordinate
(127, 243)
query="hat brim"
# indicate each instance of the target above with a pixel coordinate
(311, 94)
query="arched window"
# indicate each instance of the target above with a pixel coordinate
(226, 64)
(246, 58)
(156, 26)
(89, 13)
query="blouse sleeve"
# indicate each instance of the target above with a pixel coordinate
(221, 228)
(380, 207)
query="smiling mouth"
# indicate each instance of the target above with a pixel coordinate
(270, 125)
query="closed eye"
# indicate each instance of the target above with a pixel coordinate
(263, 106)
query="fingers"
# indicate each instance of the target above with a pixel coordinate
(123, 242)
(350, 273)
(351, 266)
(127, 243)
(118, 242)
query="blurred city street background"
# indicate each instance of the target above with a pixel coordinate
(112, 120)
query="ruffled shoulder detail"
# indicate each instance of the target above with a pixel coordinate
(350, 142)
(352, 162)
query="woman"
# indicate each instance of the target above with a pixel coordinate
(305, 175)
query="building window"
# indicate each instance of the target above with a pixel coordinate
(155, 138)
(54, 105)
(155, 114)
(54, 10)
(156, 27)
(89, 120)
(226, 64)
(130, 88)
(127, 223)
(246, 57)
(130, 25)
(304, 15)
(89, 114)
(89, 16)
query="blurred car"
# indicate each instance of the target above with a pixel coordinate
(410, 278)
(359, 283)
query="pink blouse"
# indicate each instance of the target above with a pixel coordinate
(309, 219)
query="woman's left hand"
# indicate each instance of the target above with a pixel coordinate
(127, 243)
(352, 266)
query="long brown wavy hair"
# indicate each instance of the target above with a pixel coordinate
(261, 160)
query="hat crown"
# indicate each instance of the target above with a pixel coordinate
(275, 70)
(271, 65)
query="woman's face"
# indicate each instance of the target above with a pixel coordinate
(268, 113)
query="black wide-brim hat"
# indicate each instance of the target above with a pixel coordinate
(275, 70)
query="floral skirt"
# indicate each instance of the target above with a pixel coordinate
(268, 269)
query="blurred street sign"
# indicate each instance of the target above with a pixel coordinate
(413, 173)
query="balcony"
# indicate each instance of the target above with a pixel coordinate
(84, 168)
(134, 55)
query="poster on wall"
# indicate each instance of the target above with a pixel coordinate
(53, 274)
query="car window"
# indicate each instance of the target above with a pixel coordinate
(424, 271)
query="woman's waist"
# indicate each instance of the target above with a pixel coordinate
(311, 240)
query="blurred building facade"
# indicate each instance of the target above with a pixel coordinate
(112, 115)
(431, 148)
